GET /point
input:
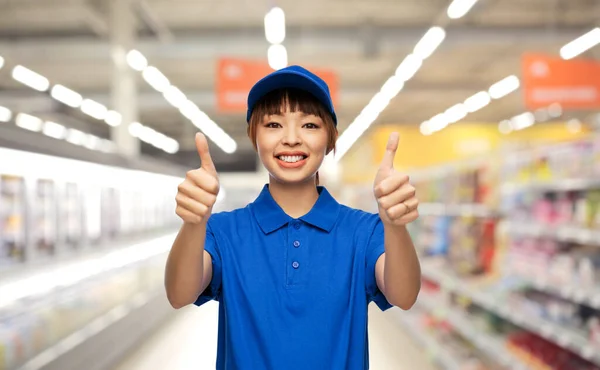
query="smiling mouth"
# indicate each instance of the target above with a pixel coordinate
(291, 158)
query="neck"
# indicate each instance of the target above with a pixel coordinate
(296, 200)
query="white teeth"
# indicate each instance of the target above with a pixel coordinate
(291, 158)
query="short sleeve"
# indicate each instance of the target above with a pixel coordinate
(375, 248)
(213, 290)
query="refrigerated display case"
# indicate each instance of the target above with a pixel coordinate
(12, 220)
(45, 220)
(71, 215)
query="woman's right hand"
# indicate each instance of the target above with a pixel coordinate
(197, 194)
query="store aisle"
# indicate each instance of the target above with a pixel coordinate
(188, 342)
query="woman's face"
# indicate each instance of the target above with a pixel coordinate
(291, 145)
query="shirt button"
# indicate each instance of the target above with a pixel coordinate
(296, 244)
(295, 265)
(297, 225)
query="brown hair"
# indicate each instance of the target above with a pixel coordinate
(297, 101)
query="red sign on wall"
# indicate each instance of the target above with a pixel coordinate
(235, 78)
(574, 84)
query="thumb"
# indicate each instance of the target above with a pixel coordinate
(206, 161)
(390, 151)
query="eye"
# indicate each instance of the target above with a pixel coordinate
(311, 125)
(272, 125)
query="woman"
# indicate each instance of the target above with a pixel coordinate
(294, 271)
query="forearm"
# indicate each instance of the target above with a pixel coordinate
(402, 271)
(184, 269)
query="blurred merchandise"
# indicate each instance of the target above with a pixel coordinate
(12, 220)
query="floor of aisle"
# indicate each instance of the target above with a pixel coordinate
(188, 342)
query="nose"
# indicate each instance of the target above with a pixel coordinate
(291, 137)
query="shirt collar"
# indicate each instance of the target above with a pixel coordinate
(271, 217)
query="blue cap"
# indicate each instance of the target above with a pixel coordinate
(291, 77)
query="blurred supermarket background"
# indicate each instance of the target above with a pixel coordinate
(498, 108)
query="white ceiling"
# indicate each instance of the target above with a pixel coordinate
(362, 41)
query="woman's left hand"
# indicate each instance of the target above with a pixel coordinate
(396, 197)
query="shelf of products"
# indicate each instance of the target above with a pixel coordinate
(527, 254)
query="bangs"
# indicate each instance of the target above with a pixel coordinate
(279, 101)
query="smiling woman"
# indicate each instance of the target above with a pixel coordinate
(276, 117)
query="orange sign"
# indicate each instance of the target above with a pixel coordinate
(574, 84)
(235, 78)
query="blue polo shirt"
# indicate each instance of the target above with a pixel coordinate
(293, 293)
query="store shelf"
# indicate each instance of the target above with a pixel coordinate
(93, 346)
(464, 210)
(492, 345)
(564, 337)
(441, 356)
(575, 234)
(554, 185)
(585, 296)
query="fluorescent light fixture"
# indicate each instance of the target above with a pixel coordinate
(458, 8)
(94, 109)
(574, 126)
(429, 42)
(91, 142)
(135, 129)
(522, 121)
(156, 79)
(174, 96)
(76, 137)
(555, 110)
(113, 118)
(275, 26)
(30, 78)
(5, 114)
(477, 101)
(106, 146)
(456, 113)
(438, 122)
(136, 60)
(504, 87)
(277, 56)
(505, 127)
(392, 87)
(190, 110)
(1, 62)
(378, 103)
(66, 96)
(29, 122)
(581, 44)
(425, 129)
(409, 66)
(54, 130)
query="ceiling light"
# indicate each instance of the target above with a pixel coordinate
(135, 129)
(477, 101)
(113, 118)
(5, 114)
(174, 96)
(429, 42)
(275, 26)
(504, 87)
(581, 44)
(1, 62)
(28, 122)
(522, 121)
(456, 113)
(392, 87)
(277, 56)
(425, 129)
(66, 96)
(136, 60)
(94, 109)
(505, 127)
(409, 66)
(156, 79)
(76, 137)
(54, 130)
(458, 8)
(438, 122)
(30, 78)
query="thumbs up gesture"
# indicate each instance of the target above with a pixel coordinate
(395, 195)
(197, 194)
